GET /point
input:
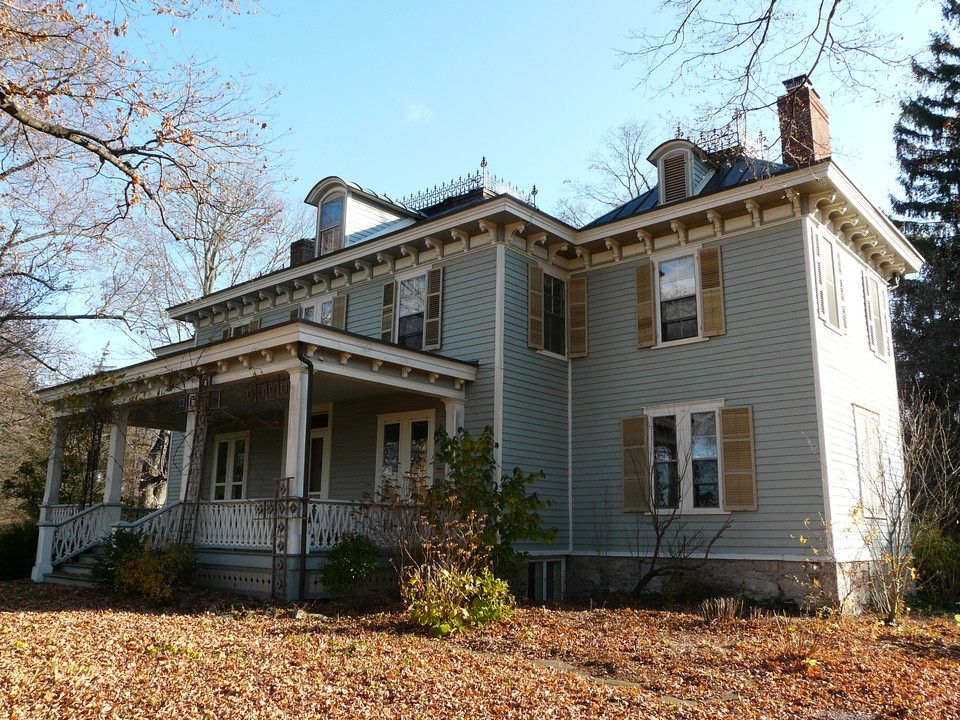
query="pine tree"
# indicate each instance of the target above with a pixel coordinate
(926, 309)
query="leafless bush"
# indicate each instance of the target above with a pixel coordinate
(721, 608)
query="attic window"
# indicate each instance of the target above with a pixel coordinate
(331, 224)
(673, 177)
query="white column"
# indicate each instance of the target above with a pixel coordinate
(51, 496)
(298, 417)
(454, 418)
(187, 452)
(115, 455)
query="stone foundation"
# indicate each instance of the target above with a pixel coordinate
(779, 580)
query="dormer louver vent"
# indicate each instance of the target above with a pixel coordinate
(674, 178)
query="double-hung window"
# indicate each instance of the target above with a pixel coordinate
(404, 452)
(686, 468)
(411, 310)
(331, 223)
(554, 315)
(230, 466)
(680, 297)
(330, 311)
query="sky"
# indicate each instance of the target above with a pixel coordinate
(398, 97)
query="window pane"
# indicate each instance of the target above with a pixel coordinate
(218, 492)
(331, 213)
(706, 488)
(410, 331)
(419, 431)
(412, 293)
(391, 451)
(704, 434)
(326, 312)
(307, 313)
(222, 449)
(330, 240)
(239, 462)
(319, 421)
(316, 464)
(678, 278)
(554, 315)
(665, 490)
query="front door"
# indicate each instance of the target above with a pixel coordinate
(319, 483)
(404, 452)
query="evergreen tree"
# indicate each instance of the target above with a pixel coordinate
(926, 309)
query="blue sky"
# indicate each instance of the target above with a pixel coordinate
(401, 96)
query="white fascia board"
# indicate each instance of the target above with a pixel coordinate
(875, 217)
(394, 239)
(739, 193)
(275, 339)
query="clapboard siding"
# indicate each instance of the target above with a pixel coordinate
(265, 452)
(764, 360)
(364, 221)
(850, 373)
(535, 406)
(175, 467)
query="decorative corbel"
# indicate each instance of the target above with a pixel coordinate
(405, 370)
(533, 240)
(205, 314)
(389, 260)
(753, 207)
(717, 220)
(432, 242)
(554, 249)
(680, 229)
(457, 383)
(299, 284)
(292, 349)
(614, 247)
(794, 197)
(270, 297)
(867, 241)
(223, 365)
(646, 240)
(432, 377)
(267, 355)
(490, 228)
(234, 305)
(837, 208)
(367, 268)
(462, 237)
(284, 290)
(345, 357)
(411, 252)
(345, 274)
(850, 220)
(309, 350)
(250, 300)
(192, 318)
(245, 361)
(587, 256)
(375, 365)
(323, 281)
(513, 231)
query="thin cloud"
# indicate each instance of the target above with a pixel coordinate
(415, 111)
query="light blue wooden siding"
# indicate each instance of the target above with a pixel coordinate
(765, 360)
(534, 406)
(699, 170)
(268, 318)
(365, 221)
(174, 467)
(353, 449)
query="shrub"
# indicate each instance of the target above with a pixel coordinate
(938, 562)
(132, 566)
(18, 549)
(351, 561)
(446, 601)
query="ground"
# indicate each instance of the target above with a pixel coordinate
(71, 653)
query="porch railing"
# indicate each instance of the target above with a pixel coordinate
(59, 513)
(235, 524)
(81, 531)
(161, 526)
(329, 520)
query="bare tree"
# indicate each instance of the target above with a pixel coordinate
(619, 171)
(741, 50)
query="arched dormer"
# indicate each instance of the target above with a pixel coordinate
(682, 170)
(348, 214)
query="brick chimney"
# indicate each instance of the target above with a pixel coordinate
(804, 123)
(301, 251)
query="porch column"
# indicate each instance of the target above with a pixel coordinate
(298, 419)
(51, 496)
(187, 452)
(116, 451)
(454, 419)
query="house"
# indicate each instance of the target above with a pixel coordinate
(717, 348)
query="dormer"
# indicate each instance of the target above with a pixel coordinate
(348, 214)
(682, 170)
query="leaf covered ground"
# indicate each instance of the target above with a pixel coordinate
(71, 653)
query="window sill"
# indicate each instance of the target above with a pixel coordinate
(827, 324)
(675, 343)
(547, 353)
(689, 511)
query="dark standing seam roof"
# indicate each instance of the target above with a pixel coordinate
(732, 172)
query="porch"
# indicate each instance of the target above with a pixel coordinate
(278, 449)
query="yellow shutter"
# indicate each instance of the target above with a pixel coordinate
(386, 312)
(535, 307)
(711, 287)
(635, 464)
(739, 466)
(340, 312)
(646, 332)
(433, 310)
(578, 317)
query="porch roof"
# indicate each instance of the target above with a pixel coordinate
(275, 349)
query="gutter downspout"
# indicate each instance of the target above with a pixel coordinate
(305, 492)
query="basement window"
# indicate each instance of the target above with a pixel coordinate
(545, 580)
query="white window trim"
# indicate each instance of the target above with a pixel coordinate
(681, 410)
(405, 419)
(827, 239)
(870, 501)
(231, 438)
(883, 299)
(398, 278)
(672, 255)
(239, 324)
(315, 303)
(541, 563)
(327, 434)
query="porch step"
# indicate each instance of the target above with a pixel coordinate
(77, 570)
